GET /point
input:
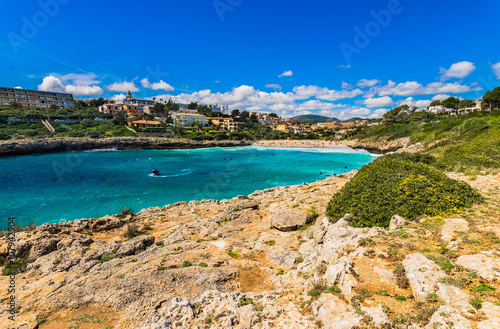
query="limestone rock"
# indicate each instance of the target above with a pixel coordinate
(320, 229)
(288, 219)
(451, 226)
(378, 316)
(284, 258)
(492, 313)
(340, 274)
(334, 313)
(446, 315)
(135, 245)
(423, 275)
(482, 264)
(397, 222)
(454, 297)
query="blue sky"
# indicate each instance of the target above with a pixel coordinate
(335, 58)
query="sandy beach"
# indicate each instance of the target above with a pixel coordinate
(299, 143)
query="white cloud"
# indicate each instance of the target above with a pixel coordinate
(217, 81)
(413, 88)
(52, 83)
(123, 87)
(458, 70)
(378, 113)
(286, 74)
(346, 85)
(80, 79)
(119, 98)
(348, 66)
(305, 92)
(378, 102)
(440, 97)
(157, 85)
(411, 102)
(367, 83)
(84, 90)
(274, 86)
(18, 87)
(496, 69)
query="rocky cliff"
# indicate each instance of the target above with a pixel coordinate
(119, 143)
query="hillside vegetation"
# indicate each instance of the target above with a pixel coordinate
(469, 143)
(414, 185)
(404, 185)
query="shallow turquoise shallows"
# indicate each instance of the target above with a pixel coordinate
(67, 186)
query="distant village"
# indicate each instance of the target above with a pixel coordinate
(139, 110)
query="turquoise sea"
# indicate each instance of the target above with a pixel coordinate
(68, 186)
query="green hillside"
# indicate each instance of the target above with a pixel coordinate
(312, 118)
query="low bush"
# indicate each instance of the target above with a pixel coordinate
(131, 231)
(405, 156)
(388, 187)
(478, 154)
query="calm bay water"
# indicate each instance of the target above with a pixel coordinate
(67, 186)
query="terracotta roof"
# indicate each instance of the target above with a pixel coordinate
(189, 114)
(149, 122)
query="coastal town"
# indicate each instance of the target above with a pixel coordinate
(151, 117)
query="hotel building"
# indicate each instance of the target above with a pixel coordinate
(34, 98)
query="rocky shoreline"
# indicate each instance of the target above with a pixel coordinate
(120, 143)
(25, 147)
(259, 262)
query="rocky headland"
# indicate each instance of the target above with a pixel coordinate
(267, 260)
(52, 145)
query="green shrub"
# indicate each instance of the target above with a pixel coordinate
(482, 289)
(186, 263)
(108, 256)
(443, 262)
(203, 265)
(233, 254)
(476, 303)
(317, 290)
(405, 156)
(13, 267)
(334, 289)
(473, 126)
(131, 231)
(386, 188)
(483, 152)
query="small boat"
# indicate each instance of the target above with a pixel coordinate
(156, 172)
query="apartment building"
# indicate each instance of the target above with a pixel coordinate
(226, 124)
(110, 108)
(34, 98)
